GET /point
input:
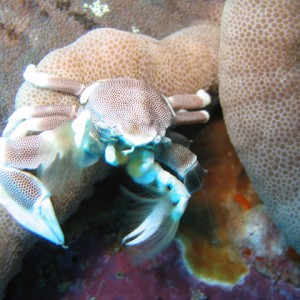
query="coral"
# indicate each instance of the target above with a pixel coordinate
(28, 29)
(259, 75)
(225, 226)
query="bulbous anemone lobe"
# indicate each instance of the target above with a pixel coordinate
(259, 75)
(181, 63)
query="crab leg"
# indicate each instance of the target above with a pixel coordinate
(24, 196)
(53, 82)
(182, 104)
(31, 152)
(40, 118)
(184, 117)
(200, 100)
(183, 162)
(23, 153)
(28, 201)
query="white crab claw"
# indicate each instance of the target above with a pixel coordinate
(26, 198)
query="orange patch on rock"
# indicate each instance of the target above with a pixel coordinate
(213, 212)
(242, 201)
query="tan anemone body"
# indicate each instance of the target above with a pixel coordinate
(259, 89)
(170, 65)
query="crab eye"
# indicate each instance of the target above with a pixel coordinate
(115, 131)
(157, 139)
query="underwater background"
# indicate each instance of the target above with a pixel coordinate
(226, 246)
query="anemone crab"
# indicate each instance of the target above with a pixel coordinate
(121, 120)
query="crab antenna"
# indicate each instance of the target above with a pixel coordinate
(53, 82)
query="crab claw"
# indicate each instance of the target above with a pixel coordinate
(183, 163)
(28, 201)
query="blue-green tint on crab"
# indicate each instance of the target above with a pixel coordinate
(161, 214)
(141, 166)
(114, 155)
(30, 206)
(89, 148)
(73, 140)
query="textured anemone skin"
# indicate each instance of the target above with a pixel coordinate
(107, 53)
(259, 74)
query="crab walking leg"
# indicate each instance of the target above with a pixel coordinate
(31, 152)
(181, 104)
(200, 100)
(40, 118)
(53, 82)
(23, 153)
(183, 162)
(37, 125)
(184, 117)
(28, 201)
(169, 207)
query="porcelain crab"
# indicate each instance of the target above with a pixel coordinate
(123, 120)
